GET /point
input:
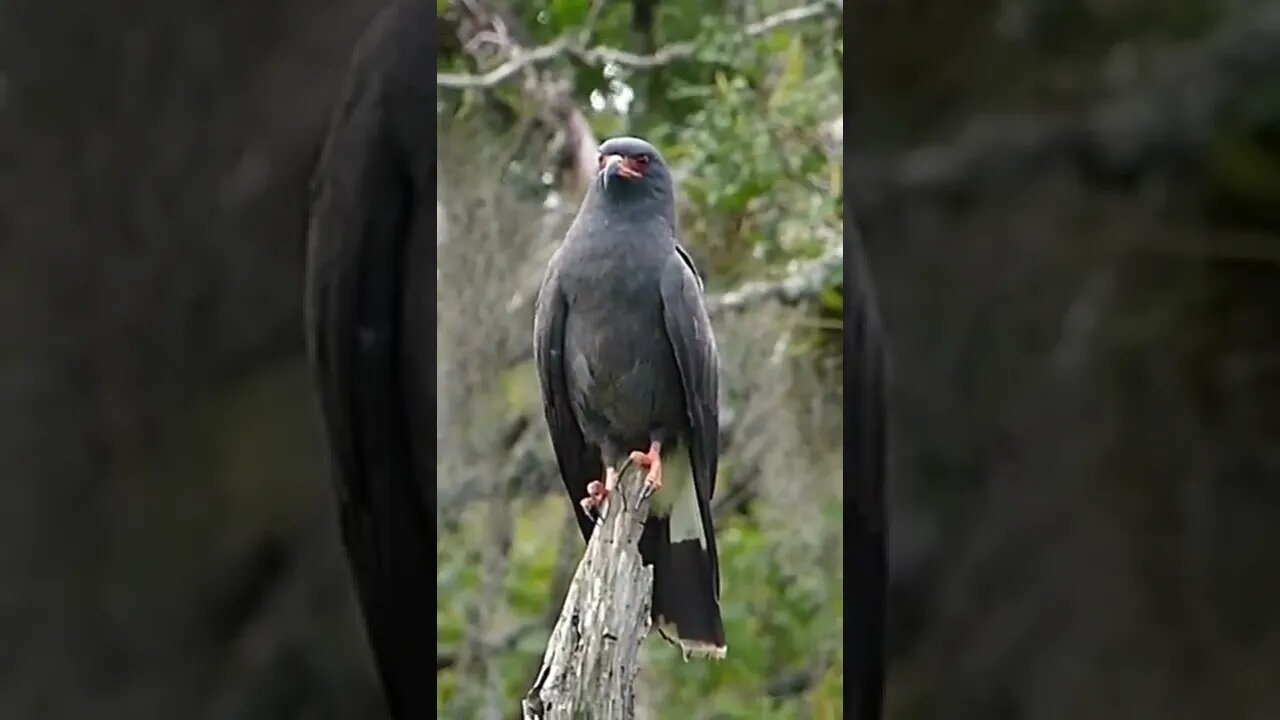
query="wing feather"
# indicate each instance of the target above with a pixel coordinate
(578, 464)
(688, 328)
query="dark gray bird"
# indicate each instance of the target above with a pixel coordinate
(628, 367)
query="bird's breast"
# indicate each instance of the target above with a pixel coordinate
(621, 371)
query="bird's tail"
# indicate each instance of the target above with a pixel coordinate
(686, 586)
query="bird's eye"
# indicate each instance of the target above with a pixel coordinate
(642, 159)
(600, 160)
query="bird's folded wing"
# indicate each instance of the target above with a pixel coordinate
(689, 330)
(578, 464)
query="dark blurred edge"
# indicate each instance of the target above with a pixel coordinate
(865, 469)
(866, 447)
(372, 265)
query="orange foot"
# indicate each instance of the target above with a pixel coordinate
(598, 492)
(653, 461)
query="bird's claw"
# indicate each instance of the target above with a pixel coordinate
(652, 482)
(596, 495)
(653, 461)
(647, 490)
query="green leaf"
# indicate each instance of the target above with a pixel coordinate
(792, 73)
(567, 14)
(832, 299)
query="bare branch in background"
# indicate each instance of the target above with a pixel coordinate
(521, 59)
(801, 285)
(485, 29)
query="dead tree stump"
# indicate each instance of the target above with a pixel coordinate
(592, 658)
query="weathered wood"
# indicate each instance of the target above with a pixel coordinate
(593, 655)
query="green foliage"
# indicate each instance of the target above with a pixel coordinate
(1242, 163)
(244, 434)
(783, 616)
(780, 618)
(741, 121)
(1244, 171)
(756, 179)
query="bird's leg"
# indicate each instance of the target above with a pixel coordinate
(598, 492)
(653, 461)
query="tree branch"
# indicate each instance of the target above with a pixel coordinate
(804, 283)
(485, 25)
(521, 59)
(593, 656)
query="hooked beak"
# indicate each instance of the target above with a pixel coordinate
(624, 168)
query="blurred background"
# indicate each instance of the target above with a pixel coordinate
(1071, 210)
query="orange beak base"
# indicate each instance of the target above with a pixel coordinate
(627, 167)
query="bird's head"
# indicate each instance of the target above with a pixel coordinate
(632, 168)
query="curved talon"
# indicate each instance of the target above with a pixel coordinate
(653, 461)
